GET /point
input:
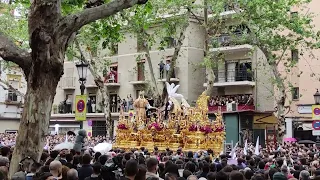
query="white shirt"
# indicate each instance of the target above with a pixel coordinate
(167, 66)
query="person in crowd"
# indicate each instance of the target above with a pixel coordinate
(96, 172)
(152, 168)
(56, 169)
(72, 174)
(86, 169)
(131, 169)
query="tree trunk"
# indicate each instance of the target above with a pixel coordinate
(280, 108)
(280, 103)
(176, 54)
(35, 119)
(209, 70)
(49, 34)
(210, 81)
(106, 110)
(153, 78)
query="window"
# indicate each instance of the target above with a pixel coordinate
(295, 93)
(12, 96)
(169, 42)
(114, 49)
(295, 55)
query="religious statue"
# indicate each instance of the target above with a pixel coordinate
(140, 106)
(174, 100)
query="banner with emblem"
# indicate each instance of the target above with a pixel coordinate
(81, 107)
(315, 112)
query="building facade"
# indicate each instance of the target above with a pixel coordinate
(11, 101)
(243, 86)
(241, 77)
(304, 80)
(128, 73)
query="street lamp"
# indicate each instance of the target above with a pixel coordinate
(82, 68)
(317, 97)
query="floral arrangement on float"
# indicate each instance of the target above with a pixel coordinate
(156, 126)
(122, 126)
(219, 129)
(193, 128)
(206, 129)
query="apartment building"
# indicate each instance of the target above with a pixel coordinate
(305, 82)
(127, 73)
(11, 101)
(243, 86)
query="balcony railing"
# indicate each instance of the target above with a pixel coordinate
(234, 75)
(164, 73)
(13, 99)
(230, 103)
(112, 78)
(238, 38)
(68, 83)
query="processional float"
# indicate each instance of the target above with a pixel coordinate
(186, 127)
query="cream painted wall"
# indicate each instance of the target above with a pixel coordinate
(9, 125)
(306, 75)
(264, 92)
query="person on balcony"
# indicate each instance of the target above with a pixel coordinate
(111, 77)
(161, 68)
(93, 104)
(89, 106)
(130, 102)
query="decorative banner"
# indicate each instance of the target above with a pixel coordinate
(131, 113)
(81, 107)
(316, 125)
(89, 122)
(316, 112)
(89, 133)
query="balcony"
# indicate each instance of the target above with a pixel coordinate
(68, 83)
(231, 103)
(13, 99)
(137, 78)
(229, 10)
(163, 75)
(236, 77)
(236, 42)
(112, 79)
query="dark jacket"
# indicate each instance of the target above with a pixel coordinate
(93, 177)
(85, 171)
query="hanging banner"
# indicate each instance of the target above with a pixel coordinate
(315, 112)
(89, 133)
(81, 107)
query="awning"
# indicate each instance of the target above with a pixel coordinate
(264, 119)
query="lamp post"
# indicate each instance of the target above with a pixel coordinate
(82, 68)
(316, 97)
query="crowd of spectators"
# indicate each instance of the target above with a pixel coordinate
(290, 161)
(244, 99)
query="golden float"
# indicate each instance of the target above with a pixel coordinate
(188, 128)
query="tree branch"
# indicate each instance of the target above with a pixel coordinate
(6, 86)
(74, 22)
(10, 52)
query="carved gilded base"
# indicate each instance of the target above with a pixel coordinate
(148, 145)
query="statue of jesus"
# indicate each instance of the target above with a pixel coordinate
(140, 106)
